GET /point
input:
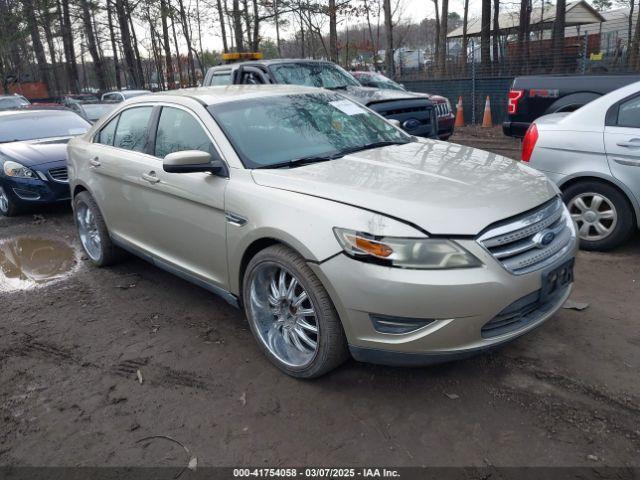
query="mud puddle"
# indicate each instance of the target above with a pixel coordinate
(26, 262)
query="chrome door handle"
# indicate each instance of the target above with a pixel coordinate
(150, 177)
(633, 143)
(95, 162)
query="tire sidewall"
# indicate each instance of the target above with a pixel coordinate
(83, 198)
(311, 369)
(625, 221)
(11, 207)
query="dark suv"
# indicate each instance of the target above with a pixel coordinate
(415, 112)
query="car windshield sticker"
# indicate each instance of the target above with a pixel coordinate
(347, 107)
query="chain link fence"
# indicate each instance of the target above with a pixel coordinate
(592, 49)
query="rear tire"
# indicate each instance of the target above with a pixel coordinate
(303, 338)
(93, 232)
(8, 206)
(603, 215)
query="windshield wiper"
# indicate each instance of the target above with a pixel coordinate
(334, 156)
(369, 146)
(338, 87)
(298, 162)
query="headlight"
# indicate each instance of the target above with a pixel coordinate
(417, 253)
(14, 169)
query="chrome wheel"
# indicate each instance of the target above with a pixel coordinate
(594, 214)
(4, 201)
(283, 315)
(88, 231)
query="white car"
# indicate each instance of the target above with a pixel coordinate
(593, 155)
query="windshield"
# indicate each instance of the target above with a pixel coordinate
(313, 74)
(12, 102)
(96, 110)
(36, 125)
(273, 130)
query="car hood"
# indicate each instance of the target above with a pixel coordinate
(369, 95)
(36, 152)
(442, 188)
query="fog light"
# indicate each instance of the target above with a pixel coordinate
(398, 325)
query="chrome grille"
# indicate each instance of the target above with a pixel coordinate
(59, 174)
(533, 240)
(442, 109)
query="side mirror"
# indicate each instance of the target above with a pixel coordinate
(394, 122)
(189, 161)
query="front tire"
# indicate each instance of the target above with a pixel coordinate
(8, 206)
(93, 232)
(291, 315)
(602, 214)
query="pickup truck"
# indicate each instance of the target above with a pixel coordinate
(532, 96)
(415, 113)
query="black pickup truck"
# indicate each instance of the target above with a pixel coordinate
(415, 112)
(532, 96)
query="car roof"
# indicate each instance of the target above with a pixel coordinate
(34, 112)
(226, 93)
(124, 91)
(274, 61)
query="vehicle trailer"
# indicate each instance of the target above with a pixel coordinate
(532, 96)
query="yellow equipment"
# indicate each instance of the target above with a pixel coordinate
(241, 56)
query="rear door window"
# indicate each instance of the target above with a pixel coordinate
(132, 130)
(629, 113)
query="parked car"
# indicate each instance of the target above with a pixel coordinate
(92, 112)
(122, 95)
(593, 155)
(11, 102)
(415, 113)
(532, 96)
(75, 98)
(33, 169)
(444, 112)
(335, 231)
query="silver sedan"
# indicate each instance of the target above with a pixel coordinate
(335, 231)
(593, 155)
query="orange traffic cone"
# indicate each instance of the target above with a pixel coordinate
(459, 113)
(487, 121)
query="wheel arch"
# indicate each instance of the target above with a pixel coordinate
(77, 188)
(595, 177)
(577, 99)
(252, 249)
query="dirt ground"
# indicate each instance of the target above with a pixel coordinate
(568, 394)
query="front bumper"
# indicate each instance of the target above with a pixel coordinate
(36, 191)
(459, 301)
(446, 126)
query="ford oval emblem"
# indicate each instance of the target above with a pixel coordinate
(411, 124)
(544, 238)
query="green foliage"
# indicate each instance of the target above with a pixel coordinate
(269, 48)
